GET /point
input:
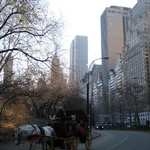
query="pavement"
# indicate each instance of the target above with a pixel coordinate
(23, 145)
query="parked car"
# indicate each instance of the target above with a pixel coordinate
(99, 126)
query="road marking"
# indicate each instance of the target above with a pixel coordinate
(118, 143)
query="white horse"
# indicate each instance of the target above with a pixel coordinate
(35, 134)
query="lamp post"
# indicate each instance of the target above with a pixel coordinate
(88, 103)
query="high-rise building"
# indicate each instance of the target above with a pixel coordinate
(113, 37)
(116, 101)
(78, 58)
(136, 53)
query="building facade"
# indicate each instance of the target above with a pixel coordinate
(136, 53)
(78, 58)
(113, 37)
(116, 92)
(56, 74)
(96, 95)
(95, 91)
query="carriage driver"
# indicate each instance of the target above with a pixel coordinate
(61, 114)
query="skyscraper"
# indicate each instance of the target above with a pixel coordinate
(78, 58)
(136, 53)
(113, 37)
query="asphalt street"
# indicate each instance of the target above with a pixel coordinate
(24, 145)
(121, 140)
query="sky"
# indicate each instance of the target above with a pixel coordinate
(82, 17)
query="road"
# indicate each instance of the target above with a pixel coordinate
(24, 146)
(122, 140)
(109, 140)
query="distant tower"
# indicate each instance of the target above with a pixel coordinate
(78, 58)
(113, 37)
(56, 70)
(8, 71)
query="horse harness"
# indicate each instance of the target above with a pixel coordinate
(33, 136)
(42, 133)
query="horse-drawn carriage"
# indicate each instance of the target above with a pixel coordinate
(64, 132)
(72, 129)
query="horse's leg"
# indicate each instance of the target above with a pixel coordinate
(43, 145)
(34, 146)
(30, 146)
(52, 144)
(48, 145)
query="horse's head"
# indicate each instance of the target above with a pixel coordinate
(17, 135)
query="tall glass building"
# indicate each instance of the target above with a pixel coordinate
(78, 58)
(113, 37)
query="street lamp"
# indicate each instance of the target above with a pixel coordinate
(88, 104)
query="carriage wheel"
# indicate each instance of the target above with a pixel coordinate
(88, 142)
(71, 143)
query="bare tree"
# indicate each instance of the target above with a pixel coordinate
(127, 101)
(134, 102)
(28, 34)
(27, 31)
(10, 94)
(43, 94)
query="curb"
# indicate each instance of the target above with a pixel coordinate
(95, 135)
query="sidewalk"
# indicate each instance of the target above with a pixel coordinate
(23, 145)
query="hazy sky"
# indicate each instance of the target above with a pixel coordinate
(82, 17)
